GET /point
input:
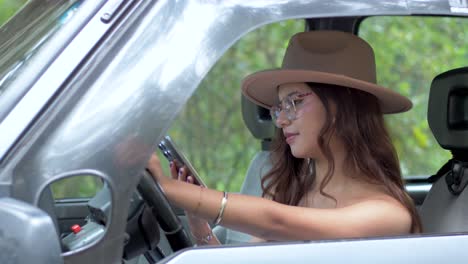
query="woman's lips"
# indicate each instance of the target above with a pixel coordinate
(290, 137)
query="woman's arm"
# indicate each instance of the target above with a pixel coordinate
(274, 221)
(270, 220)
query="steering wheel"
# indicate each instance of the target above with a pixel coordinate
(154, 197)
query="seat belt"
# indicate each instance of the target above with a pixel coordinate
(456, 171)
(457, 177)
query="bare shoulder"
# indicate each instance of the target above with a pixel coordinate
(384, 211)
(381, 200)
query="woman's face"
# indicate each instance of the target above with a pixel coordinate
(302, 132)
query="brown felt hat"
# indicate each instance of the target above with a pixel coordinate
(329, 57)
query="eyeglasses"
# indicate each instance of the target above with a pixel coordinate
(289, 105)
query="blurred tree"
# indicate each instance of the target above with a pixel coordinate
(211, 128)
(9, 8)
(77, 186)
(410, 51)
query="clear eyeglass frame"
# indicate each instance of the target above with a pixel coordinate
(289, 106)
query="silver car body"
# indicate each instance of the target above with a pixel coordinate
(126, 95)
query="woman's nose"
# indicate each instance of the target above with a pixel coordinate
(282, 120)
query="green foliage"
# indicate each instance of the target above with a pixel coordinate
(9, 8)
(409, 53)
(210, 128)
(81, 186)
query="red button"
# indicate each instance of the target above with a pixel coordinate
(76, 228)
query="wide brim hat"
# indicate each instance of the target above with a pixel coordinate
(328, 57)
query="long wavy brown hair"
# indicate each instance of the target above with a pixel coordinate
(359, 123)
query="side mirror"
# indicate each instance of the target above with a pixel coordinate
(27, 234)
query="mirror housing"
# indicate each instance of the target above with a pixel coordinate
(27, 234)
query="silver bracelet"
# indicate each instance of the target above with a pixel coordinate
(221, 210)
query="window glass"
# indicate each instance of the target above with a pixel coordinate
(210, 128)
(9, 8)
(410, 52)
(82, 186)
(23, 36)
(92, 214)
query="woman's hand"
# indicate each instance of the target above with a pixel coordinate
(154, 166)
(199, 227)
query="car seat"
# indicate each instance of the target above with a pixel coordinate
(258, 121)
(445, 207)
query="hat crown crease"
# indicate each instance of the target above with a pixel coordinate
(340, 55)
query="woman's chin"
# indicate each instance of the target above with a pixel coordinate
(303, 152)
(298, 153)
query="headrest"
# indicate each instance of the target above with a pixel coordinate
(258, 121)
(448, 109)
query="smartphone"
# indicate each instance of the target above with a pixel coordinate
(173, 153)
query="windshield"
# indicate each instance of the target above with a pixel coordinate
(22, 37)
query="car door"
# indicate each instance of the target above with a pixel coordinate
(39, 64)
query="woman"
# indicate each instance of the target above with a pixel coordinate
(335, 172)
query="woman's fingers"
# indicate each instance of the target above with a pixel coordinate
(190, 179)
(174, 169)
(178, 173)
(182, 174)
(154, 165)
